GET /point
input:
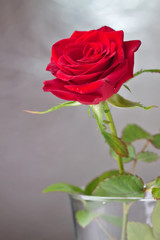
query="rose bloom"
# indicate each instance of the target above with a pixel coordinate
(91, 66)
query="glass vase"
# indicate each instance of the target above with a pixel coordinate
(102, 218)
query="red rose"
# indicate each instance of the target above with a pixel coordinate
(91, 66)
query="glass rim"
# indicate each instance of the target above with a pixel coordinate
(98, 198)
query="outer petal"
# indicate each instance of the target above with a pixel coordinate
(132, 46)
(52, 68)
(86, 88)
(57, 88)
(107, 90)
(118, 73)
(105, 29)
(129, 47)
(78, 34)
(117, 37)
(89, 99)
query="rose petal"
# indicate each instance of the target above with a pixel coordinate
(118, 59)
(74, 54)
(130, 47)
(103, 88)
(56, 87)
(89, 99)
(116, 37)
(102, 65)
(85, 88)
(107, 90)
(118, 73)
(79, 79)
(91, 36)
(78, 34)
(105, 29)
(57, 49)
(88, 68)
(52, 68)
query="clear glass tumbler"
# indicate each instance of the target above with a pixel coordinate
(102, 218)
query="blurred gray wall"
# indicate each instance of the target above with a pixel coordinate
(62, 146)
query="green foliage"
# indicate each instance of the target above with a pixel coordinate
(114, 220)
(125, 185)
(132, 132)
(114, 142)
(131, 154)
(156, 189)
(127, 87)
(118, 101)
(63, 187)
(156, 140)
(93, 184)
(156, 220)
(147, 156)
(139, 231)
(65, 104)
(84, 217)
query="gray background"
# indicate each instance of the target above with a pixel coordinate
(62, 146)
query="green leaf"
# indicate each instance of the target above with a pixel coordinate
(114, 220)
(63, 187)
(65, 104)
(118, 101)
(147, 156)
(84, 217)
(156, 189)
(93, 184)
(156, 140)
(156, 220)
(139, 231)
(125, 185)
(114, 142)
(158, 182)
(133, 132)
(127, 87)
(156, 192)
(131, 154)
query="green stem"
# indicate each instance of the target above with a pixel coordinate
(136, 160)
(113, 132)
(146, 70)
(126, 208)
(124, 223)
